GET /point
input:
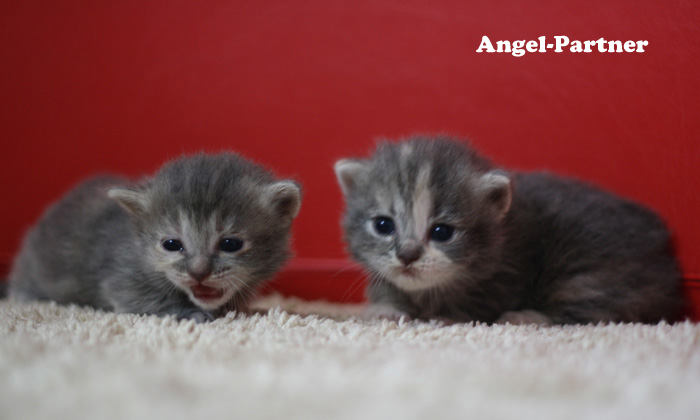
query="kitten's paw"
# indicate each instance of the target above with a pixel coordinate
(197, 316)
(233, 306)
(384, 311)
(524, 317)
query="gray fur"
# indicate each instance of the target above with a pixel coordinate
(531, 242)
(102, 244)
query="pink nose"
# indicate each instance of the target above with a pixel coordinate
(200, 275)
(409, 255)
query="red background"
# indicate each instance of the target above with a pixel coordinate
(122, 86)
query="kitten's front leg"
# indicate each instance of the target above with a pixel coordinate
(129, 295)
(240, 306)
(387, 302)
(180, 312)
(385, 311)
(526, 316)
(197, 315)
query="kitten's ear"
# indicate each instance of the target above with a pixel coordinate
(495, 187)
(284, 197)
(347, 171)
(133, 200)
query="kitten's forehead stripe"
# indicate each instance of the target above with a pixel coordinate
(189, 232)
(422, 202)
(184, 223)
(399, 206)
(213, 222)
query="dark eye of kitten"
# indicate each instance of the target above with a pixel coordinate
(441, 232)
(230, 244)
(384, 225)
(172, 245)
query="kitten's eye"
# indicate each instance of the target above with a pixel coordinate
(230, 244)
(441, 232)
(172, 245)
(384, 225)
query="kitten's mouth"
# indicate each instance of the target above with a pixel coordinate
(206, 293)
(409, 271)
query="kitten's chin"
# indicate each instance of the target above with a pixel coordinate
(416, 281)
(411, 284)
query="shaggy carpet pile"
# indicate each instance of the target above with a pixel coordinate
(316, 360)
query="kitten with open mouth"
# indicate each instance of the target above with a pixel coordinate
(193, 241)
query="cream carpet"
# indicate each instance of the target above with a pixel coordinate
(61, 362)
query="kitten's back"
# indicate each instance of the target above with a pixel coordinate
(76, 239)
(611, 245)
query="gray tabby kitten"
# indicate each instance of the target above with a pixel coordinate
(193, 241)
(445, 234)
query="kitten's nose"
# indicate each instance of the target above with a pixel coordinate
(200, 274)
(409, 254)
(199, 267)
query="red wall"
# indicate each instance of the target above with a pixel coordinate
(96, 86)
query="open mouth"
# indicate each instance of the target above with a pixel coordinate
(206, 293)
(409, 272)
